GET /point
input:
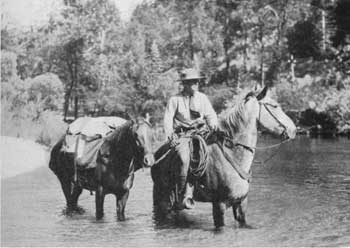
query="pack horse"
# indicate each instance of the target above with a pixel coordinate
(110, 168)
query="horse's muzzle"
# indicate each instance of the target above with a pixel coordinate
(288, 134)
(148, 160)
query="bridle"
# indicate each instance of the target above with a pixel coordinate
(253, 148)
(138, 146)
(273, 116)
(226, 139)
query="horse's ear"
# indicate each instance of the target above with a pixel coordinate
(147, 117)
(257, 87)
(262, 93)
(248, 96)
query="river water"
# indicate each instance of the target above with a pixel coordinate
(300, 197)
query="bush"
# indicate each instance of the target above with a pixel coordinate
(8, 65)
(46, 129)
(47, 91)
(219, 96)
(329, 104)
(28, 108)
(52, 128)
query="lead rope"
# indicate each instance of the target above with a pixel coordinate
(271, 146)
(163, 156)
(270, 157)
(273, 154)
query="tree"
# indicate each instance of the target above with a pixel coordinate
(8, 65)
(304, 40)
(47, 89)
(84, 37)
(231, 28)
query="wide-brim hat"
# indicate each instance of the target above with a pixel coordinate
(190, 74)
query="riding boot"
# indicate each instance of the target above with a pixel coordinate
(188, 201)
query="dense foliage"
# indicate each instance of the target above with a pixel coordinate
(86, 61)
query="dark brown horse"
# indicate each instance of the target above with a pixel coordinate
(124, 151)
(225, 182)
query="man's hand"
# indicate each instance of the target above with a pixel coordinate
(173, 140)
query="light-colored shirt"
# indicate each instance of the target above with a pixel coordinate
(177, 113)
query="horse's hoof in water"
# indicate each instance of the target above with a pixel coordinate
(121, 218)
(70, 211)
(67, 212)
(219, 229)
(99, 216)
(246, 226)
(79, 210)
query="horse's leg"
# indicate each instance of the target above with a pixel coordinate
(74, 198)
(121, 202)
(99, 200)
(156, 194)
(66, 186)
(218, 214)
(239, 211)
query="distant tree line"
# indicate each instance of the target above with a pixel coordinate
(106, 66)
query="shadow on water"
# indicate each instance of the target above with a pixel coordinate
(174, 220)
(185, 220)
(70, 213)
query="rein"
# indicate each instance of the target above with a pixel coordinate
(273, 116)
(253, 148)
(163, 156)
(244, 175)
(138, 149)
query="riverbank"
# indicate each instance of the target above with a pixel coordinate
(320, 124)
(19, 156)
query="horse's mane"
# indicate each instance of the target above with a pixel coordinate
(235, 118)
(120, 134)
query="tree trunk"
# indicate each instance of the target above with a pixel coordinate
(67, 99)
(226, 47)
(324, 34)
(262, 73)
(76, 106)
(190, 39)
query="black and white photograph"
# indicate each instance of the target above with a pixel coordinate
(175, 123)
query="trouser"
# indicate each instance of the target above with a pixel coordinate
(186, 188)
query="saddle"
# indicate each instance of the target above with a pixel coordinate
(85, 136)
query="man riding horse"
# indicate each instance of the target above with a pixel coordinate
(187, 112)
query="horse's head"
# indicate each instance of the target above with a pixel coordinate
(271, 116)
(143, 136)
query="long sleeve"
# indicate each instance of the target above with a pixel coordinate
(169, 117)
(209, 113)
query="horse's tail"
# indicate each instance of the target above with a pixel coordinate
(54, 155)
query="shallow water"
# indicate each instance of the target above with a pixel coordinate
(300, 197)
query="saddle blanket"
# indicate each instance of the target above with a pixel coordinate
(85, 136)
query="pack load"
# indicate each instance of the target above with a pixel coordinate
(85, 136)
